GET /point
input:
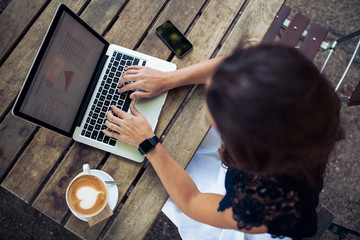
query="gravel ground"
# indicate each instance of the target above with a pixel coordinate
(341, 194)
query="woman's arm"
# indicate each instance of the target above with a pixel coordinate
(201, 207)
(153, 82)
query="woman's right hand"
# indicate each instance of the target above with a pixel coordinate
(147, 81)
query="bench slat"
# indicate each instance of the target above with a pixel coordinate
(312, 42)
(295, 29)
(277, 24)
(355, 96)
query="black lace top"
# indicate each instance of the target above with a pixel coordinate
(284, 205)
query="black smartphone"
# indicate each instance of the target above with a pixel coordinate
(173, 38)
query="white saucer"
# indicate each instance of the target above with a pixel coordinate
(113, 193)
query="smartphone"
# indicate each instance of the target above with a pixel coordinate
(173, 38)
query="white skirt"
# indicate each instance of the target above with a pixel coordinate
(209, 176)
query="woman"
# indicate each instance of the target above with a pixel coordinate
(278, 119)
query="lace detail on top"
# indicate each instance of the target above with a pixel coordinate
(264, 200)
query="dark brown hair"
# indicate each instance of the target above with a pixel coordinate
(275, 112)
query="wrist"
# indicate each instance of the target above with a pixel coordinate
(173, 80)
(148, 145)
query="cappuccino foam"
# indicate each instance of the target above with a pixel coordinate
(87, 195)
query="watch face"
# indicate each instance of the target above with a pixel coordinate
(146, 145)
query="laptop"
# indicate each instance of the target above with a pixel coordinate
(73, 81)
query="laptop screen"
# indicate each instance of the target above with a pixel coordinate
(61, 73)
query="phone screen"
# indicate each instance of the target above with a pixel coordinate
(175, 40)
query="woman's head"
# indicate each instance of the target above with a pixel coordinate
(273, 109)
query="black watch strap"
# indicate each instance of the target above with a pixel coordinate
(148, 144)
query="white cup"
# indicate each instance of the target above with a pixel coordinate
(89, 194)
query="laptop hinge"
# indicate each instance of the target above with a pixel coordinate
(90, 90)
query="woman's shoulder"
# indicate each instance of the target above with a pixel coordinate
(282, 203)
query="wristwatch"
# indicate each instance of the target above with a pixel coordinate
(148, 144)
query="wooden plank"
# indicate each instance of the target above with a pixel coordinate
(252, 24)
(313, 40)
(119, 169)
(133, 22)
(12, 26)
(276, 24)
(295, 29)
(14, 132)
(149, 195)
(35, 163)
(100, 13)
(23, 55)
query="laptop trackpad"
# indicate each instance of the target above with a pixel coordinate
(150, 108)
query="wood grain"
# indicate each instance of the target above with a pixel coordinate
(252, 24)
(35, 164)
(12, 26)
(14, 133)
(133, 22)
(100, 13)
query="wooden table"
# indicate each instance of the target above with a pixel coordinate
(38, 164)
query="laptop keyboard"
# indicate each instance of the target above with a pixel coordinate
(108, 95)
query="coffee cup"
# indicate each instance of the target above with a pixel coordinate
(87, 194)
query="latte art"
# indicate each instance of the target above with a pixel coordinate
(87, 195)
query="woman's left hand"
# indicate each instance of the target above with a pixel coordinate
(132, 129)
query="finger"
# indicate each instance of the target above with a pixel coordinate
(140, 94)
(120, 113)
(113, 126)
(128, 79)
(112, 134)
(127, 87)
(138, 67)
(134, 111)
(130, 71)
(123, 79)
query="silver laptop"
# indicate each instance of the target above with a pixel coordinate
(74, 80)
